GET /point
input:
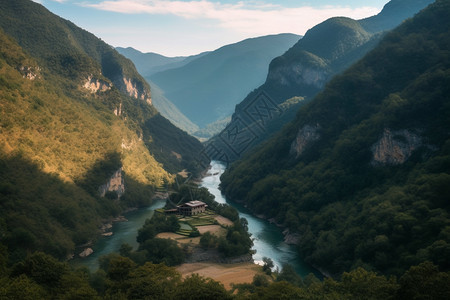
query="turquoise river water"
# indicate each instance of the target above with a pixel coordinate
(268, 239)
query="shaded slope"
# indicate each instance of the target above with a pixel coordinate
(362, 173)
(324, 51)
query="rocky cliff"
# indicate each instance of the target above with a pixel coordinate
(95, 85)
(135, 89)
(305, 137)
(115, 184)
(395, 147)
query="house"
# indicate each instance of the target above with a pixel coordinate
(192, 208)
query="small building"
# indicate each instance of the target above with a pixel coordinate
(192, 208)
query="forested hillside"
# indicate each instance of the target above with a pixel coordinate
(326, 50)
(79, 139)
(363, 173)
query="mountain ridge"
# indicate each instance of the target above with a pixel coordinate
(205, 82)
(303, 71)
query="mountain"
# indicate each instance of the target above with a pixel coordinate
(167, 109)
(208, 88)
(80, 141)
(150, 63)
(326, 50)
(361, 177)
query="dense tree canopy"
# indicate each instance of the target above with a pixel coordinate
(349, 209)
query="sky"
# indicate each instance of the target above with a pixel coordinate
(187, 27)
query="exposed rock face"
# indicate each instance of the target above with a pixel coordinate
(305, 137)
(115, 184)
(395, 147)
(133, 90)
(86, 252)
(118, 110)
(94, 85)
(30, 73)
(128, 145)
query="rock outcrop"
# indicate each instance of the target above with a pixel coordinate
(118, 110)
(305, 137)
(115, 184)
(86, 252)
(94, 85)
(395, 147)
(30, 73)
(133, 89)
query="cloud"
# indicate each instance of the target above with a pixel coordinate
(254, 18)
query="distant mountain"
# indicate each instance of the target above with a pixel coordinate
(361, 177)
(325, 50)
(149, 63)
(208, 88)
(167, 109)
(80, 141)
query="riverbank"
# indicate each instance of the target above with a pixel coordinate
(268, 238)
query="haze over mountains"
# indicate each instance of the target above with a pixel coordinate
(207, 88)
(150, 63)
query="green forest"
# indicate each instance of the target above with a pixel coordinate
(40, 276)
(349, 210)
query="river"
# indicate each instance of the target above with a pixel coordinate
(268, 239)
(124, 232)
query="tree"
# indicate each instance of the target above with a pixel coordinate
(153, 281)
(198, 287)
(288, 274)
(424, 282)
(163, 251)
(268, 265)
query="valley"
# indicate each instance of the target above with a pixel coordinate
(278, 166)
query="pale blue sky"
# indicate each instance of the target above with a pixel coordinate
(186, 27)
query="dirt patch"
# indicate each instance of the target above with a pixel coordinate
(213, 229)
(224, 273)
(223, 220)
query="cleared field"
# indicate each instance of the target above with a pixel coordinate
(213, 229)
(224, 273)
(223, 220)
